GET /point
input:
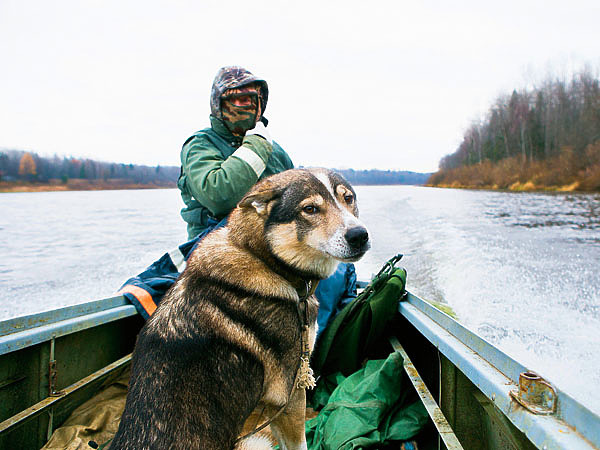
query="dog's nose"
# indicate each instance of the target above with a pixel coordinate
(357, 237)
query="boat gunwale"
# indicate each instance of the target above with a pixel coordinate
(469, 353)
(42, 327)
(22, 323)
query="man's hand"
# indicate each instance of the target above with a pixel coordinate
(260, 130)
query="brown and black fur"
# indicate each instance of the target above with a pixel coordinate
(226, 339)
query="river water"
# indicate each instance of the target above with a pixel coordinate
(519, 269)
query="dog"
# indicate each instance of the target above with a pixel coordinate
(227, 338)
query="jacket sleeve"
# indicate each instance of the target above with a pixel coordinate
(217, 183)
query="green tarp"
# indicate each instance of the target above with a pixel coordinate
(363, 405)
(368, 409)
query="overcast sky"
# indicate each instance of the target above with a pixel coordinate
(379, 84)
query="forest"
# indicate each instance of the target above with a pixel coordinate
(26, 171)
(21, 169)
(544, 137)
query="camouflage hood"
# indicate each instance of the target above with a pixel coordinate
(232, 77)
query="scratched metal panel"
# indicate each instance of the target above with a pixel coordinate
(24, 375)
(44, 318)
(32, 336)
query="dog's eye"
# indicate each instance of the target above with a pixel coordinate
(310, 209)
(348, 198)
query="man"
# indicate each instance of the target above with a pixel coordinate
(218, 166)
(221, 163)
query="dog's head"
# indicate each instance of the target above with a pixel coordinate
(308, 219)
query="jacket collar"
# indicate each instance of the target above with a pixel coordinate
(219, 127)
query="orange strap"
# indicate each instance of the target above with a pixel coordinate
(142, 296)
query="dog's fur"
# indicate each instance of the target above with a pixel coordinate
(226, 341)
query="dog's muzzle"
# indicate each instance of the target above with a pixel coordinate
(358, 239)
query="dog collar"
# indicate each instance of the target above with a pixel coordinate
(307, 289)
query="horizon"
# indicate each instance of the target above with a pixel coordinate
(77, 158)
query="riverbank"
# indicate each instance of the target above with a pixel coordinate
(563, 173)
(80, 185)
(516, 187)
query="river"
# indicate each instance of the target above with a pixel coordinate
(519, 269)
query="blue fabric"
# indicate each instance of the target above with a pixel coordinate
(333, 293)
(155, 280)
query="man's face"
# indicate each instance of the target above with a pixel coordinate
(241, 108)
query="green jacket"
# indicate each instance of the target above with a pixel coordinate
(214, 178)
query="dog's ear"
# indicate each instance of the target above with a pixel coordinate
(259, 198)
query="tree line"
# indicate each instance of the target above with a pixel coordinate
(21, 166)
(383, 177)
(18, 165)
(557, 123)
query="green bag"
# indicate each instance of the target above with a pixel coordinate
(345, 343)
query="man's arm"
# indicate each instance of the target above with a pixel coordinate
(219, 183)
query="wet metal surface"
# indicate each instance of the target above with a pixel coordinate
(57, 326)
(498, 359)
(437, 416)
(49, 402)
(572, 427)
(39, 319)
(53, 373)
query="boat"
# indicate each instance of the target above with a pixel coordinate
(477, 397)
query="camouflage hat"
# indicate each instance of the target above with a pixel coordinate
(232, 77)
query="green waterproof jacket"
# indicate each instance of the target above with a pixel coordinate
(218, 169)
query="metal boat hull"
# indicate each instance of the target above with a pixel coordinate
(52, 362)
